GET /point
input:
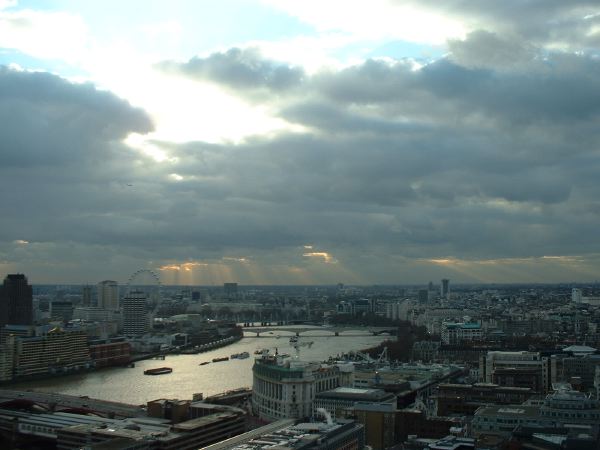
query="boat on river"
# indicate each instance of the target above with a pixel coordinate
(224, 358)
(204, 363)
(158, 371)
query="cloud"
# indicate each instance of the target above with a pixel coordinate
(326, 257)
(186, 266)
(48, 35)
(552, 24)
(241, 69)
(480, 166)
(375, 20)
(45, 120)
(463, 157)
(62, 159)
(484, 49)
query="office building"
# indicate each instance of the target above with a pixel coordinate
(518, 369)
(335, 401)
(561, 408)
(108, 295)
(284, 388)
(148, 433)
(86, 296)
(16, 301)
(503, 419)
(445, 288)
(575, 368)
(135, 316)
(110, 352)
(426, 351)
(572, 437)
(393, 310)
(230, 289)
(61, 310)
(7, 363)
(576, 295)
(465, 399)
(52, 352)
(567, 406)
(346, 435)
(458, 332)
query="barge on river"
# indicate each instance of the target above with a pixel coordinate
(158, 371)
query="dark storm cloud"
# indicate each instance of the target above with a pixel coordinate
(45, 120)
(485, 153)
(564, 87)
(62, 154)
(490, 152)
(242, 69)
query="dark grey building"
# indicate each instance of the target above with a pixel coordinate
(16, 301)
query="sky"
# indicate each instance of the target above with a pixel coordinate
(300, 142)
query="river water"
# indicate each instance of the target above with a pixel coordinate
(130, 385)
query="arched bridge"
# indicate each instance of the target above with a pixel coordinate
(330, 331)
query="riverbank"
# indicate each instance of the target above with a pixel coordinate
(184, 351)
(91, 368)
(130, 385)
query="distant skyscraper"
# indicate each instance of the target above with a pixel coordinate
(423, 296)
(61, 310)
(576, 295)
(108, 295)
(430, 286)
(230, 289)
(16, 301)
(135, 316)
(86, 296)
(445, 288)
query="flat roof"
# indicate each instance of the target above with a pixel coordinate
(356, 394)
(509, 410)
(203, 421)
(579, 349)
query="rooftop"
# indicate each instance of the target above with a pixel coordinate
(203, 421)
(298, 436)
(579, 349)
(509, 411)
(356, 394)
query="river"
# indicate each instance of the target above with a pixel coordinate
(130, 385)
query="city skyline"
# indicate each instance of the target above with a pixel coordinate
(287, 143)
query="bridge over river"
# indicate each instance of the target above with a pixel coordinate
(327, 330)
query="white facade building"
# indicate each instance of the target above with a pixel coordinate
(284, 388)
(457, 332)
